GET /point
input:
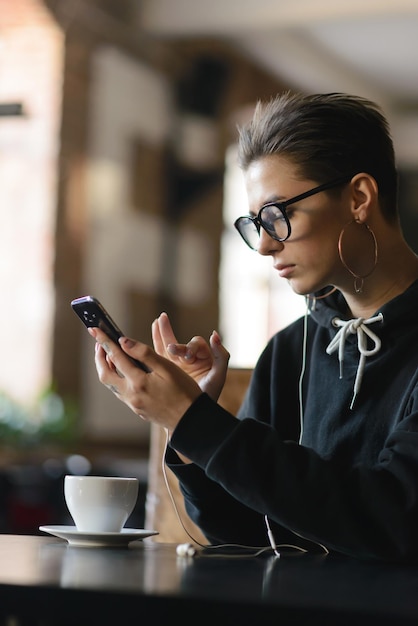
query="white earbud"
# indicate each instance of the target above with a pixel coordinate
(185, 549)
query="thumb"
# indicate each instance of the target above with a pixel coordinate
(142, 355)
(220, 353)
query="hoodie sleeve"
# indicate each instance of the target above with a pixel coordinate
(243, 470)
(252, 465)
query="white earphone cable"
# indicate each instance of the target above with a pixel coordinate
(258, 549)
(186, 550)
(302, 371)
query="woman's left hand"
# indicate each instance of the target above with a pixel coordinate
(161, 396)
(206, 362)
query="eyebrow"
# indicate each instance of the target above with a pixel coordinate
(270, 200)
(276, 199)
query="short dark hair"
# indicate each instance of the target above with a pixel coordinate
(327, 136)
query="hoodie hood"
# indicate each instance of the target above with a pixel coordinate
(332, 312)
(402, 310)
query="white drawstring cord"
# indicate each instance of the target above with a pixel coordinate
(359, 327)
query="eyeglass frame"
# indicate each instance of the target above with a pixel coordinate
(282, 206)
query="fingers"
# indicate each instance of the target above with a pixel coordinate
(197, 352)
(139, 352)
(220, 353)
(162, 334)
(178, 350)
(165, 342)
(161, 395)
(111, 358)
(112, 367)
(184, 351)
(215, 378)
(197, 349)
(157, 340)
(166, 329)
(106, 370)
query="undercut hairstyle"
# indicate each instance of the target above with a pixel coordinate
(326, 136)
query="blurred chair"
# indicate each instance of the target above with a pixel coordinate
(160, 512)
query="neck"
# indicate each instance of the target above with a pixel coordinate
(395, 271)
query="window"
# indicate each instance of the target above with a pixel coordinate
(254, 301)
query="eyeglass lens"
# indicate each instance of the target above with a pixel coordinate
(272, 220)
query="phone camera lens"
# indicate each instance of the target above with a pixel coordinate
(88, 318)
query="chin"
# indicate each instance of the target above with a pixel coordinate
(303, 288)
(300, 290)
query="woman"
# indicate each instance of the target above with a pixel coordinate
(324, 452)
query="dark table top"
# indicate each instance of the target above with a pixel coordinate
(45, 581)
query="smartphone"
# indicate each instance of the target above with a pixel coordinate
(93, 314)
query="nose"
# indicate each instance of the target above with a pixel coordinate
(267, 245)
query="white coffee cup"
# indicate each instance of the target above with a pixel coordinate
(100, 504)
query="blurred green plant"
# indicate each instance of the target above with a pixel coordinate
(49, 419)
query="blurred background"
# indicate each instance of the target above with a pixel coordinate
(118, 178)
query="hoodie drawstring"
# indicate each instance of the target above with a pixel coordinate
(359, 327)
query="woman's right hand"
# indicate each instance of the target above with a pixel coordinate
(206, 363)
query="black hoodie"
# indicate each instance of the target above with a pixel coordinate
(349, 481)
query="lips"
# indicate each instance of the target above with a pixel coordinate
(284, 270)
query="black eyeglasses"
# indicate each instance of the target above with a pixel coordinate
(273, 217)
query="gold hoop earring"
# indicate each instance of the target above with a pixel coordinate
(358, 278)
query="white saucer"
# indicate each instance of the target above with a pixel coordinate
(97, 540)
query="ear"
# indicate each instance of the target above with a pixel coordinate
(365, 195)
